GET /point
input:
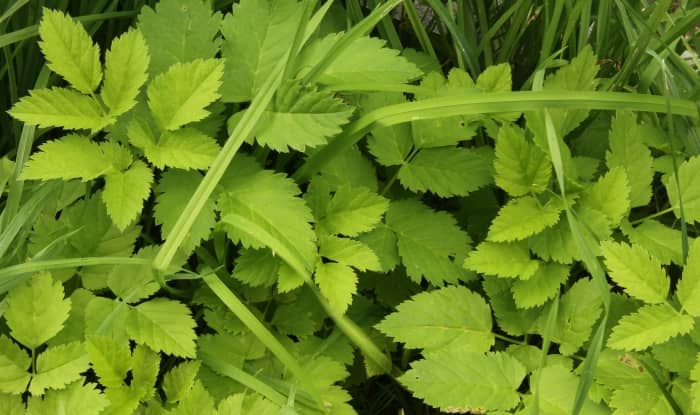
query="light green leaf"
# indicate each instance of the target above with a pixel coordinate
(558, 386)
(695, 388)
(511, 319)
(71, 157)
(659, 240)
(257, 267)
(688, 289)
(677, 355)
(75, 399)
(579, 310)
(364, 60)
(11, 404)
(125, 192)
(126, 64)
(637, 272)
(58, 366)
(173, 192)
(14, 363)
(389, 145)
(105, 317)
(133, 283)
(195, 401)
(349, 252)
(435, 319)
(186, 148)
(69, 51)
(300, 117)
(630, 153)
(446, 171)
(461, 381)
(164, 325)
(487, 258)
(338, 283)
(60, 107)
(597, 196)
(382, 241)
(269, 200)
(39, 299)
(110, 359)
(180, 95)
(429, 242)
(145, 366)
(257, 35)
(179, 380)
(520, 166)
(688, 176)
(650, 325)
(523, 217)
(495, 78)
(541, 286)
(179, 31)
(352, 211)
(643, 398)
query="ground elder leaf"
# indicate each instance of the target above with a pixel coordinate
(579, 309)
(338, 283)
(520, 166)
(390, 145)
(488, 258)
(58, 366)
(640, 398)
(164, 325)
(688, 176)
(559, 386)
(352, 211)
(541, 286)
(630, 153)
(178, 382)
(179, 31)
(637, 272)
(428, 241)
(180, 95)
(256, 267)
(14, 363)
(688, 289)
(434, 319)
(60, 107)
(39, 299)
(71, 157)
(69, 50)
(659, 240)
(350, 252)
(110, 359)
(462, 381)
(126, 65)
(651, 324)
(523, 217)
(598, 196)
(446, 171)
(75, 399)
(125, 192)
(186, 148)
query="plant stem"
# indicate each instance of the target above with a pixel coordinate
(652, 216)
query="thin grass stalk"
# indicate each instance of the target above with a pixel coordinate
(467, 47)
(550, 30)
(482, 13)
(487, 38)
(515, 30)
(419, 30)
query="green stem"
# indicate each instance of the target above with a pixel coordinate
(652, 216)
(509, 339)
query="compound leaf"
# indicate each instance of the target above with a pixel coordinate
(523, 217)
(434, 319)
(180, 95)
(352, 211)
(71, 157)
(520, 166)
(125, 192)
(69, 50)
(110, 359)
(75, 399)
(185, 148)
(58, 366)
(651, 324)
(487, 258)
(164, 325)
(126, 65)
(60, 107)
(541, 286)
(597, 196)
(338, 283)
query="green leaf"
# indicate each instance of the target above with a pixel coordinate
(257, 35)
(541, 286)
(446, 171)
(637, 272)
(71, 157)
(677, 355)
(688, 289)
(60, 107)
(495, 78)
(179, 380)
(173, 192)
(145, 366)
(179, 31)
(435, 319)
(559, 387)
(523, 217)
(196, 401)
(36, 310)
(650, 325)
(75, 399)
(338, 283)
(597, 196)
(429, 242)
(459, 380)
(695, 388)
(389, 145)
(133, 283)
(352, 211)
(688, 176)
(269, 200)
(487, 258)
(58, 366)
(659, 240)
(511, 319)
(180, 95)
(69, 51)
(349, 252)
(126, 65)
(364, 60)
(643, 398)
(125, 192)
(520, 166)
(382, 241)
(300, 117)
(630, 153)
(164, 325)
(14, 363)
(105, 317)
(11, 404)
(186, 148)
(257, 267)
(579, 309)
(110, 359)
